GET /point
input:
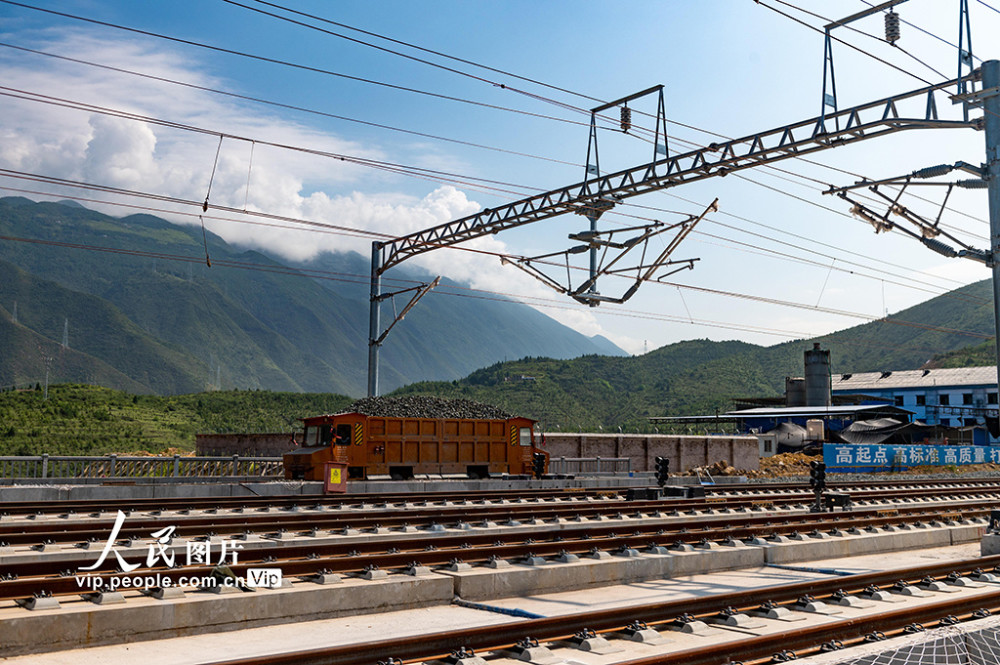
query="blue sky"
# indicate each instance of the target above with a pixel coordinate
(732, 67)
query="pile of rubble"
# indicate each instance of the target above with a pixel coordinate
(778, 466)
(786, 464)
(426, 407)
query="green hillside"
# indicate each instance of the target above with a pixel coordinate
(596, 393)
(145, 325)
(88, 420)
(141, 319)
(700, 377)
(980, 355)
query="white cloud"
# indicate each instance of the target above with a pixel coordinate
(121, 153)
(149, 157)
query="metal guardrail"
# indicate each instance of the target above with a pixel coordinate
(590, 466)
(115, 466)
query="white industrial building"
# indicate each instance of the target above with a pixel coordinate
(957, 397)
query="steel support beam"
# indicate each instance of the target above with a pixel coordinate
(858, 123)
(863, 13)
(374, 307)
(991, 110)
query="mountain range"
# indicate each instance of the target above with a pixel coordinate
(137, 318)
(130, 303)
(701, 377)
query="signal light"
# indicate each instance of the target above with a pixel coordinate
(662, 470)
(538, 464)
(817, 475)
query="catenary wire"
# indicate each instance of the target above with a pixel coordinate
(718, 292)
(501, 296)
(285, 63)
(866, 34)
(244, 138)
(451, 69)
(291, 107)
(211, 132)
(845, 43)
(581, 110)
(18, 3)
(387, 127)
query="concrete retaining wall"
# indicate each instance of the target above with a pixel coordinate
(244, 445)
(684, 452)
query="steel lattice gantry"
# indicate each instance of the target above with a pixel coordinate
(844, 127)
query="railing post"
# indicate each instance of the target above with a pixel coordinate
(177, 465)
(114, 465)
(236, 465)
(598, 464)
(45, 465)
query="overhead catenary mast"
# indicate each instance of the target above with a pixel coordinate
(595, 195)
(985, 176)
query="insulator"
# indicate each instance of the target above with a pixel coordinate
(939, 247)
(626, 118)
(891, 27)
(972, 184)
(932, 171)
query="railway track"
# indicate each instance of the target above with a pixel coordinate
(313, 553)
(314, 539)
(956, 592)
(222, 503)
(456, 511)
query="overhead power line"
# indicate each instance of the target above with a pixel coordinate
(290, 107)
(450, 174)
(837, 39)
(413, 132)
(450, 69)
(362, 279)
(440, 176)
(395, 167)
(285, 63)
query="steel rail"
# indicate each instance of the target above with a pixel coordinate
(33, 533)
(10, 508)
(812, 637)
(352, 558)
(425, 647)
(170, 503)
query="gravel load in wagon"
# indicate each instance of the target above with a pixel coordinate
(426, 407)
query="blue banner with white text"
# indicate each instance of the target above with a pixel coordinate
(867, 457)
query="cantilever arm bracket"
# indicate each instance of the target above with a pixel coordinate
(645, 270)
(420, 291)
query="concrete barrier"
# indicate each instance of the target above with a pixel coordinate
(81, 623)
(684, 452)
